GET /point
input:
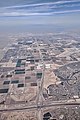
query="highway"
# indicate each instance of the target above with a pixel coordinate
(7, 108)
(40, 87)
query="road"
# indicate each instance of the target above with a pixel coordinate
(14, 107)
(40, 87)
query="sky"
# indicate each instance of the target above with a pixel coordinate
(39, 14)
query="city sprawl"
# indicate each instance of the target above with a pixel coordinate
(40, 77)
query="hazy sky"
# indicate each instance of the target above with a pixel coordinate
(65, 13)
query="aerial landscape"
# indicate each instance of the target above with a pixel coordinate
(40, 60)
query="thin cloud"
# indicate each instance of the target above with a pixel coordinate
(15, 14)
(43, 4)
(50, 8)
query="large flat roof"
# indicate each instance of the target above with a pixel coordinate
(4, 90)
